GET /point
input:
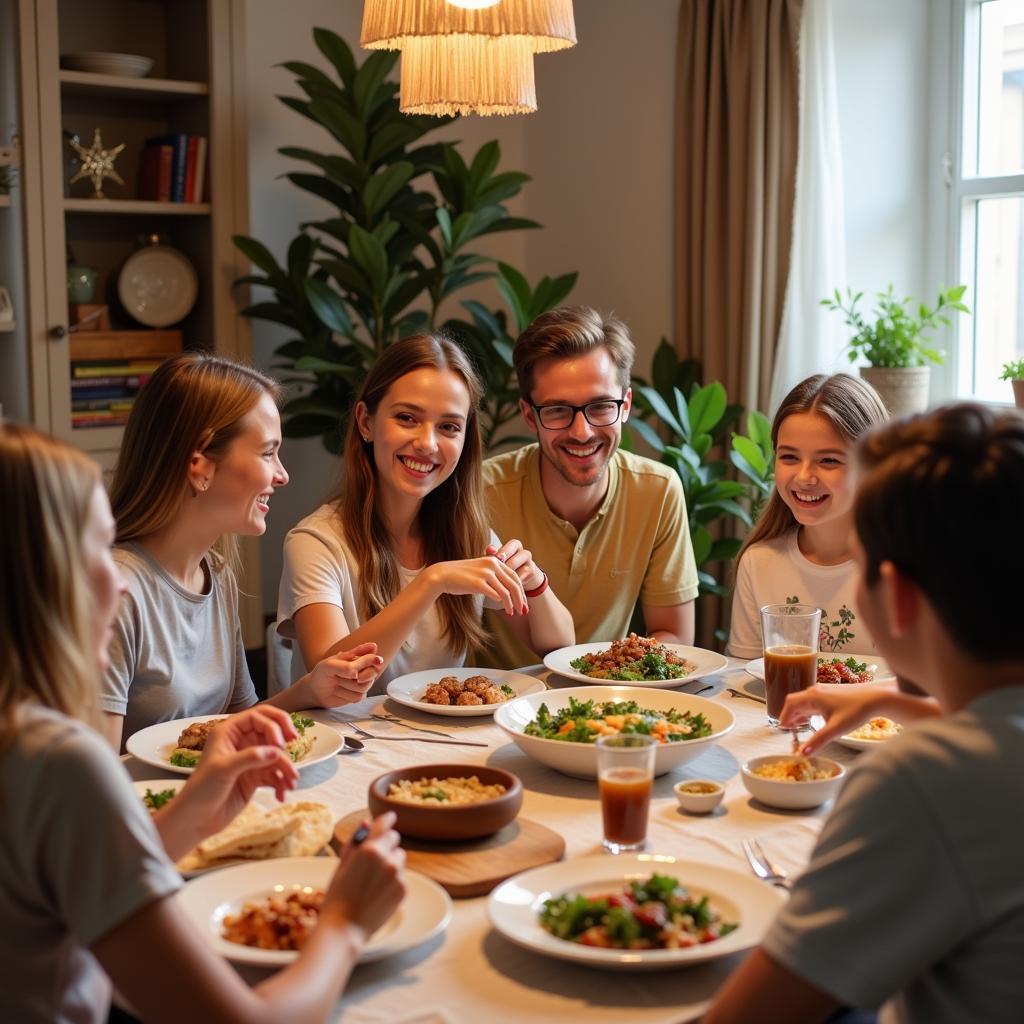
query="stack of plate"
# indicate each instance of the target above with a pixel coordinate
(128, 65)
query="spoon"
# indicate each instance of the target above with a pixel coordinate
(350, 745)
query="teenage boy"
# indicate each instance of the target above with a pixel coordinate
(608, 527)
(914, 895)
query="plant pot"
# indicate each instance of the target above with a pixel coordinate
(1018, 393)
(903, 389)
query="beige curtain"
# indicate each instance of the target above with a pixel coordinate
(737, 114)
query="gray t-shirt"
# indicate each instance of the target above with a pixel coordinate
(78, 856)
(174, 654)
(915, 890)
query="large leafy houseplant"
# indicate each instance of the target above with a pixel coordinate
(688, 424)
(397, 244)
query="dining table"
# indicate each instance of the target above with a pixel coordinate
(471, 973)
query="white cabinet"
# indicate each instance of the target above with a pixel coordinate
(196, 86)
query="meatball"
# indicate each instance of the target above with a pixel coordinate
(452, 685)
(436, 694)
(492, 695)
(465, 699)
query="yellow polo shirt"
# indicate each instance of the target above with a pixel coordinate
(636, 547)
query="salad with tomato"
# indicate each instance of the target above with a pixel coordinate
(656, 913)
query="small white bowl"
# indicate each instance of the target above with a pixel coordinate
(699, 802)
(792, 796)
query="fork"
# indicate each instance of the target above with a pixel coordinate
(410, 739)
(765, 869)
(397, 721)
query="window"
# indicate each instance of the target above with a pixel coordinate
(986, 184)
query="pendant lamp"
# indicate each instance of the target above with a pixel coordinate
(468, 60)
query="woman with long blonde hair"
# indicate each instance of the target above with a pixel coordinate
(198, 466)
(799, 550)
(402, 556)
(84, 869)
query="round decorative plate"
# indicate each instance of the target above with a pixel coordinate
(127, 65)
(157, 286)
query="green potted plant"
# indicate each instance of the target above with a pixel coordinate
(1014, 373)
(894, 340)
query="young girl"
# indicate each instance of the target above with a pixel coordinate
(402, 556)
(83, 868)
(198, 466)
(799, 550)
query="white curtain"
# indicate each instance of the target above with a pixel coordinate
(811, 337)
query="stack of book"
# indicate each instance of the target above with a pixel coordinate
(102, 391)
(173, 168)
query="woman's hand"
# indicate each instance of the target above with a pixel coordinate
(368, 887)
(345, 677)
(242, 753)
(487, 576)
(843, 710)
(520, 561)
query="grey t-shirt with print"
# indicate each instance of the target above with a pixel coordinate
(174, 654)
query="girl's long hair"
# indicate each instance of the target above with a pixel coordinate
(451, 518)
(45, 599)
(853, 408)
(194, 402)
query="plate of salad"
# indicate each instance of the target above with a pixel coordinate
(840, 669)
(177, 745)
(637, 660)
(634, 912)
(560, 728)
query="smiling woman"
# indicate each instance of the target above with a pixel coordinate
(198, 466)
(402, 556)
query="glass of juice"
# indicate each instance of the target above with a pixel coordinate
(625, 771)
(790, 634)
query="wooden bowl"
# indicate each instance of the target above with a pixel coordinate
(461, 821)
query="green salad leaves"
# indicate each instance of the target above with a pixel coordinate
(573, 723)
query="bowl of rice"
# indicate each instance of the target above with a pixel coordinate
(447, 802)
(792, 783)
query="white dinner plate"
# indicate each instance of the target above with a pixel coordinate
(425, 911)
(155, 744)
(157, 286)
(408, 689)
(263, 798)
(883, 674)
(129, 65)
(706, 662)
(856, 743)
(739, 897)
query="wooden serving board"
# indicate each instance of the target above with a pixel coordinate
(473, 867)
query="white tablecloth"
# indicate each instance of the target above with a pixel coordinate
(472, 974)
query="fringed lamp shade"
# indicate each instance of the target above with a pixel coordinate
(465, 74)
(547, 25)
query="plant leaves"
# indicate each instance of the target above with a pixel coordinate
(706, 406)
(328, 306)
(368, 253)
(382, 187)
(660, 408)
(336, 50)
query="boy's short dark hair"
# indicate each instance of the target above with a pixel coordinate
(942, 497)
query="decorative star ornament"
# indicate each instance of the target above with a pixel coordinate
(97, 164)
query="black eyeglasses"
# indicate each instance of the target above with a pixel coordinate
(602, 413)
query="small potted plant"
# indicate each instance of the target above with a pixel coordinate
(895, 342)
(1014, 373)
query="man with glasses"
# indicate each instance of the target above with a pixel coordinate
(608, 527)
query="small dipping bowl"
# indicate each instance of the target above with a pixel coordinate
(789, 795)
(457, 821)
(699, 796)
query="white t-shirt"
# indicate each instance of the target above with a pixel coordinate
(914, 895)
(774, 571)
(78, 856)
(174, 654)
(319, 568)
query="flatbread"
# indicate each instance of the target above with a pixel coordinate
(292, 830)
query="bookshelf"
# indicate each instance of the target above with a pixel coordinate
(195, 87)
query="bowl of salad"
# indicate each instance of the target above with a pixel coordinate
(560, 728)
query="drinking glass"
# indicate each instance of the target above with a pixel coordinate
(625, 771)
(790, 635)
